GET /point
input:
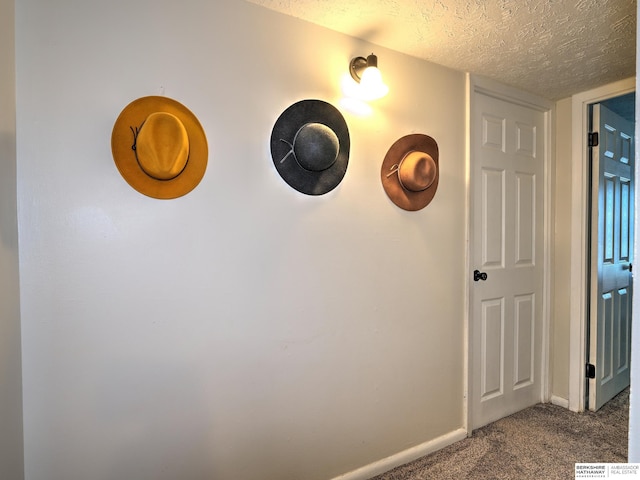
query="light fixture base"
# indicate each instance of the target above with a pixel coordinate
(356, 67)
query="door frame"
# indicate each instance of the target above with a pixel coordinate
(580, 225)
(477, 84)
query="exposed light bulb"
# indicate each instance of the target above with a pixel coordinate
(371, 85)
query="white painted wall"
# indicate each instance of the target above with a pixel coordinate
(244, 331)
(11, 457)
(561, 289)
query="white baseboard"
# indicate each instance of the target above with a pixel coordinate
(561, 402)
(406, 456)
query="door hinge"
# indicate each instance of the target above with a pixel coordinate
(593, 139)
(591, 370)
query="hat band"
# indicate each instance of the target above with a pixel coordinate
(293, 153)
(136, 131)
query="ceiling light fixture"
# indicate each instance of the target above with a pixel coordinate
(365, 72)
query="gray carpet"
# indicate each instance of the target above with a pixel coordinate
(541, 442)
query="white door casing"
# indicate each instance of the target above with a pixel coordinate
(509, 156)
(611, 255)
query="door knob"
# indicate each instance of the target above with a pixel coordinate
(478, 275)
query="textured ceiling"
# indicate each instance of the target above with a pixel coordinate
(553, 48)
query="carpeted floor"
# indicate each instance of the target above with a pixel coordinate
(542, 442)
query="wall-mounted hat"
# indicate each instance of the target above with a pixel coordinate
(310, 146)
(410, 171)
(159, 147)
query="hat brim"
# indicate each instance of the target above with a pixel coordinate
(124, 157)
(403, 198)
(284, 130)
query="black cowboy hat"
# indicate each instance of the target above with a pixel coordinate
(310, 146)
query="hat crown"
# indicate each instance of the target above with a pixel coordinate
(417, 171)
(162, 146)
(316, 146)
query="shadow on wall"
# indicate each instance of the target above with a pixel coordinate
(8, 215)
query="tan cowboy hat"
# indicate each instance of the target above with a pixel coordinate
(410, 171)
(159, 147)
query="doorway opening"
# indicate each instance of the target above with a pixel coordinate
(611, 132)
(579, 280)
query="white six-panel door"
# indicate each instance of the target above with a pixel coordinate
(507, 249)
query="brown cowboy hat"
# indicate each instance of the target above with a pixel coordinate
(410, 171)
(159, 147)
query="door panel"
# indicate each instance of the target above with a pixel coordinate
(507, 244)
(492, 354)
(525, 348)
(525, 219)
(611, 252)
(493, 218)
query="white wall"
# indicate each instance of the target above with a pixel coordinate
(244, 331)
(11, 458)
(562, 255)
